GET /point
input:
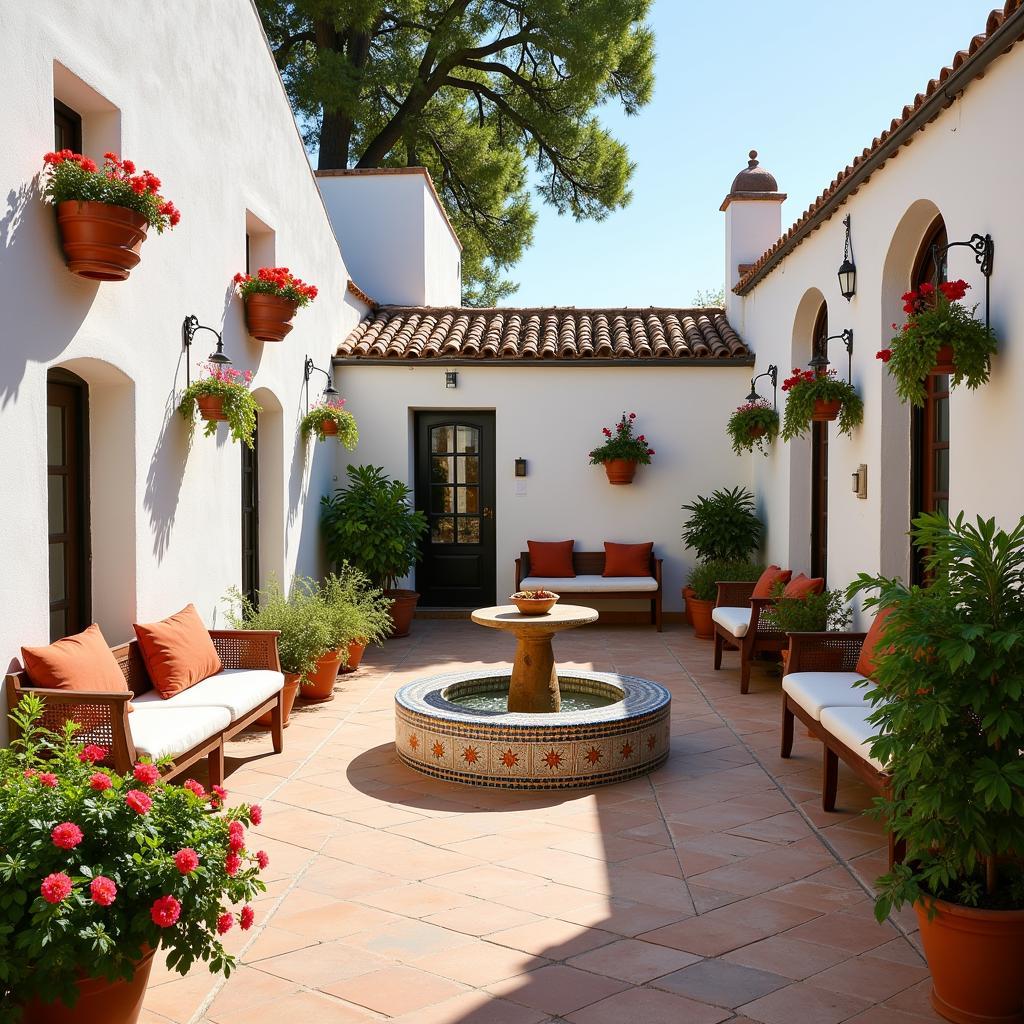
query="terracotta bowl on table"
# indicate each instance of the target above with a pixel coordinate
(535, 605)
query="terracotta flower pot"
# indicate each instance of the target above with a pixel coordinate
(355, 655)
(755, 432)
(101, 242)
(99, 1001)
(703, 626)
(211, 407)
(269, 317)
(620, 471)
(945, 362)
(291, 689)
(534, 605)
(825, 411)
(975, 958)
(403, 605)
(329, 427)
(688, 595)
(319, 685)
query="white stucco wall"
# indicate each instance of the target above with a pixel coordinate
(199, 101)
(552, 415)
(964, 166)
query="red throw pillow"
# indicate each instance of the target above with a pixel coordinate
(80, 662)
(551, 558)
(178, 652)
(870, 649)
(627, 559)
(803, 586)
(768, 580)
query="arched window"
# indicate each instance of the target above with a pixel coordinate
(819, 465)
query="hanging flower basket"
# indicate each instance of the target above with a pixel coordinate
(753, 424)
(819, 396)
(104, 213)
(331, 419)
(940, 336)
(622, 452)
(272, 297)
(222, 396)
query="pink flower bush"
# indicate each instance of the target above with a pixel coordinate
(67, 835)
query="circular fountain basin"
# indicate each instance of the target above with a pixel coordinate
(625, 735)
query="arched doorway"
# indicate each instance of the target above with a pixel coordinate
(819, 464)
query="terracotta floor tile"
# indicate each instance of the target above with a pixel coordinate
(482, 918)
(849, 932)
(178, 1000)
(481, 963)
(791, 958)
(721, 983)
(250, 988)
(647, 1006)
(633, 961)
(274, 942)
(297, 1006)
(475, 1008)
(887, 1015)
(405, 939)
(323, 964)
(804, 1003)
(557, 989)
(333, 920)
(882, 978)
(624, 917)
(395, 990)
(553, 939)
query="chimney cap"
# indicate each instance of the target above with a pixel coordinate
(753, 182)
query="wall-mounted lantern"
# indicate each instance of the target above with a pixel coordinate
(520, 467)
(330, 391)
(848, 270)
(772, 373)
(819, 361)
(189, 328)
(451, 379)
(860, 481)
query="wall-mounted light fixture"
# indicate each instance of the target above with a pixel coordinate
(307, 371)
(520, 467)
(848, 270)
(984, 250)
(819, 361)
(772, 373)
(451, 379)
(860, 481)
(190, 326)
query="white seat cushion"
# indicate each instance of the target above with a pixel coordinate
(735, 620)
(590, 584)
(163, 730)
(851, 727)
(238, 690)
(814, 691)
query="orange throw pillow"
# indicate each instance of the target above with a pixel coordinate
(803, 586)
(178, 652)
(870, 649)
(627, 559)
(80, 662)
(551, 558)
(766, 584)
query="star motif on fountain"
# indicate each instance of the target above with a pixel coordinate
(627, 751)
(471, 755)
(651, 741)
(414, 741)
(593, 755)
(438, 749)
(510, 758)
(553, 759)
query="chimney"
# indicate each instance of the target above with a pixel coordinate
(397, 242)
(753, 221)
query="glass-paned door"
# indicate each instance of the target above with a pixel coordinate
(251, 517)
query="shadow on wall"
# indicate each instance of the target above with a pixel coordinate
(166, 472)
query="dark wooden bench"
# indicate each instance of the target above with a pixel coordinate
(763, 636)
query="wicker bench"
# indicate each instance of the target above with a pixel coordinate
(188, 727)
(589, 582)
(740, 626)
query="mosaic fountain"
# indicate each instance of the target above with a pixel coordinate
(533, 727)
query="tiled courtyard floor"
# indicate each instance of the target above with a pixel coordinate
(713, 890)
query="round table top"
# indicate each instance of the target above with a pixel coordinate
(509, 618)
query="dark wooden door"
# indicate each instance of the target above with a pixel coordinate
(455, 488)
(67, 477)
(251, 517)
(819, 467)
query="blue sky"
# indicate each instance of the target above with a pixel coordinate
(807, 83)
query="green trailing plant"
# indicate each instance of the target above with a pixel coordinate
(723, 526)
(231, 386)
(811, 614)
(356, 609)
(705, 576)
(805, 388)
(96, 866)
(936, 319)
(371, 524)
(753, 424)
(621, 443)
(949, 708)
(331, 411)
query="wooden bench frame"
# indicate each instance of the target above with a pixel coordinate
(105, 716)
(591, 563)
(762, 637)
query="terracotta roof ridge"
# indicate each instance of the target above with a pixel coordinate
(358, 292)
(587, 310)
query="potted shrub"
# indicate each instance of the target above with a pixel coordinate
(363, 612)
(940, 335)
(814, 613)
(947, 696)
(819, 395)
(622, 452)
(222, 396)
(272, 297)
(305, 634)
(329, 418)
(371, 524)
(104, 213)
(753, 424)
(703, 586)
(99, 872)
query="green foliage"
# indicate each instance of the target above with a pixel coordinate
(371, 524)
(723, 527)
(356, 609)
(749, 418)
(812, 614)
(621, 444)
(705, 576)
(45, 782)
(805, 388)
(331, 411)
(491, 97)
(232, 387)
(950, 715)
(709, 298)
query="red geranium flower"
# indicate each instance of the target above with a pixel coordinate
(194, 787)
(165, 911)
(55, 887)
(256, 814)
(99, 782)
(232, 862)
(885, 355)
(186, 860)
(147, 774)
(48, 779)
(262, 859)
(224, 923)
(954, 291)
(67, 835)
(102, 890)
(91, 754)
(138, 801)
(246, 918)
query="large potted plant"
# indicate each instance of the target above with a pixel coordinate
(703, 586)
(819, 395)
(947, 695)
(223, 395)
(940, 336)
(99, 872)
(621, 451)
(362, 612)
(753, 424)
(103, 213)
(330, 418)
(371, 524)
(272, 297)
(813, 613)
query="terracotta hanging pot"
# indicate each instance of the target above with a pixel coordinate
(291, 689)
(755, 432)
(355, 655)
(620, 471)
(268, 317)
(945, 361)
(703, 625)
(99, 1001)
(975, 958)
(211, 407)
(403, 605)
(319, 685)
(825, 411)
(329, 427)
(101, 242)
(688, 595)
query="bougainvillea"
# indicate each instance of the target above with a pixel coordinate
(753, 424)
(621, 443)
(278, 281)
(805, 387)
(232, 387)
